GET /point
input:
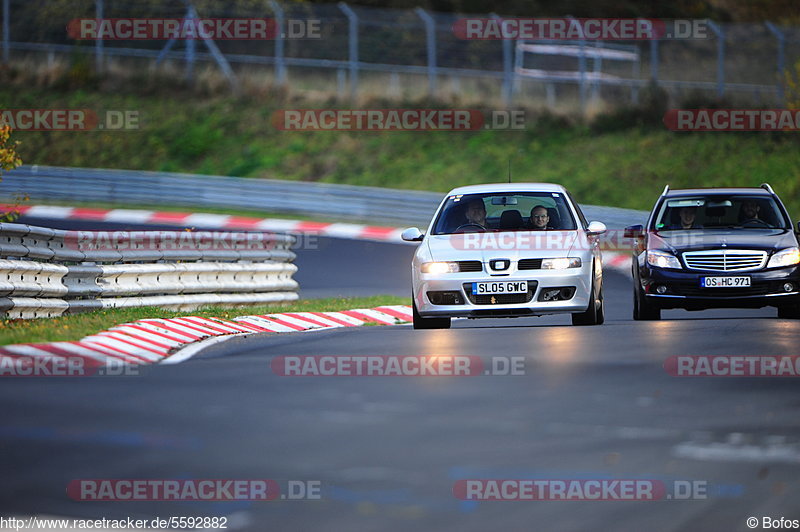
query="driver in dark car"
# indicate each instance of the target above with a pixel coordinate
(749, 212)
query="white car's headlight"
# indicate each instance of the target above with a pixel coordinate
(785, 257)
(561, 263)
(661, 259)
(439, 267)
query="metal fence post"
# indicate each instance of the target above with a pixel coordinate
(598, 67)
(515, 86)
(341, 80)
(222, 63)
(190, 48)
(720, 57)
(637, 74)
(164, 51)
(781, 58)
(353, 47)
(636, 68)
(6, 37)
(654, 61)
(581, 64)
(98, 41)
(508, 73)
(507, 67)
(280, 65)
(430, 42)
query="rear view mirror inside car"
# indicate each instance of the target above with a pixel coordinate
(685, 203)
(712, 204)
(504, 200)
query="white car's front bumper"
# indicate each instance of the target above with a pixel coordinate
(579, 278)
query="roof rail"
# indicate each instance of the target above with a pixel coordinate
(768, 188)
(666, 189)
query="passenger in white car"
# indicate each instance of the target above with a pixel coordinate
(540, 219)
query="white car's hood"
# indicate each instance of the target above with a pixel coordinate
(512, 245)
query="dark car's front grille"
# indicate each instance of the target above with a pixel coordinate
(500, 299)
(725, 260)
(530, 264)
(470, 266)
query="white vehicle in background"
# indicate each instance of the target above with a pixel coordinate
(507, 250)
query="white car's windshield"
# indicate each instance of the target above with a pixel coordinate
(515, 211)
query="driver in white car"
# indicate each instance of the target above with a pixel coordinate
(476, 213)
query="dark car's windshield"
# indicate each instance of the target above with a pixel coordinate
(515, 211)
(720, 211)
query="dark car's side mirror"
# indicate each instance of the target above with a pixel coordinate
(634, 231)
(798, 226)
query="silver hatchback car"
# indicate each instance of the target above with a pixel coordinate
(507, 250)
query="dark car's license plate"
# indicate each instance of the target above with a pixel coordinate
(725, 282)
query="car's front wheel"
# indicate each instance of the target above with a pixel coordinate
(595, 314)
(642, 309)
(428, 323)
(790, 312)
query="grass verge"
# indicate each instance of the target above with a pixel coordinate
(618, 161)
(77, 326)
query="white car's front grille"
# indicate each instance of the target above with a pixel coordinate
(725, 260)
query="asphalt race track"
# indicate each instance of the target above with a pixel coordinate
(593, 403)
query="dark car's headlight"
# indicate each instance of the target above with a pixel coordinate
(440, 267)
(662, 259)
(785, 257)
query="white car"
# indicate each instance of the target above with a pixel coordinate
(507, 250)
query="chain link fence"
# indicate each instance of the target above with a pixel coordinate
(364, 51)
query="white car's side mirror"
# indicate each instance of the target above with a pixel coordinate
(412, 234)
(596, 228)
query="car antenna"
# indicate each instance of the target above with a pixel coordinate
(509, 169)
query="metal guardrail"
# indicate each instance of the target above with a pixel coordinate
(240, 272)
(378, 206)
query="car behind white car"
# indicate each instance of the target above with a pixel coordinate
(507, 250)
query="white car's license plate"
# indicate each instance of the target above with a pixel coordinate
(724, 282)
(500, 287)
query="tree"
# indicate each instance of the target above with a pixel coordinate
(9, 159)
